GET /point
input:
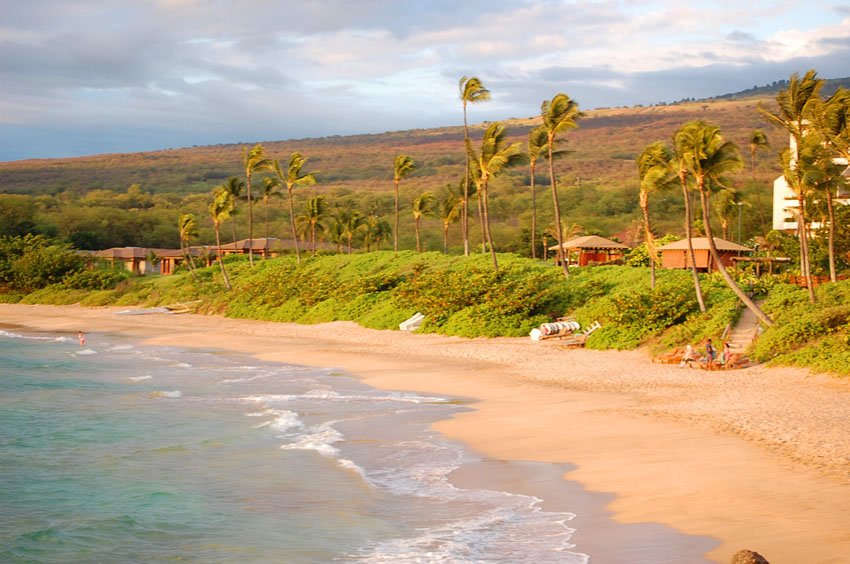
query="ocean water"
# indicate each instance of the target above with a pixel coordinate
(118, 452)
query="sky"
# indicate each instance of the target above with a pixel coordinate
(80, 77)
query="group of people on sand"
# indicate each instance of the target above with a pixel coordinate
(711, 359)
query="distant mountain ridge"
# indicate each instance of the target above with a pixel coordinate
(772, 89)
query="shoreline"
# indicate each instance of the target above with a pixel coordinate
(757, 458)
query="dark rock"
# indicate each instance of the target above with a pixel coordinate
(748, 557)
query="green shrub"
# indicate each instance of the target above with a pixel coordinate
(96, 279)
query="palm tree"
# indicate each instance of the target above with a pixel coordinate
(496, 155)
(375, 230)
(682, 142)
(315, 210)
(220, 209)
(448, 210)
(292, 177)
(569, 231)
(350, 222)
(271, 189)
(402, 166)
(187, 227)
(654, 172)
(471, 91)
(560, 114)
(252, 161)
(758, 141)
(538, 139)
(796, 105)
(234, 185)
(726, 204)
(709, 158)
(421, 206)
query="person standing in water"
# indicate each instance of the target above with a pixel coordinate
(81, 338)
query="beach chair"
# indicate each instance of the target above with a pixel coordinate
(580, 339)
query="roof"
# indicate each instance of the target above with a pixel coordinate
(123, 253)
(701, 243)
(591, 242)
(272, 244)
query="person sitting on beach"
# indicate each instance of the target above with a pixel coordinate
(710, 354)
(689, 356)
(724, 353)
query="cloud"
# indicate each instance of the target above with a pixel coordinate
(200, 71)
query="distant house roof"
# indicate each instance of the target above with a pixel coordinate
(701, 243)
(123, 253)
(270, 244)
(591, 242)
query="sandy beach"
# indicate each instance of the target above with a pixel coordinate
(756, 458)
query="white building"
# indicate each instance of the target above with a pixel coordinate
(785, 203)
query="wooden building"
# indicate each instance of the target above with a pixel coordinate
(590, 250)
(675, 255)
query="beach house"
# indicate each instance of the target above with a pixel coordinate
(590, 250)
(676, 255)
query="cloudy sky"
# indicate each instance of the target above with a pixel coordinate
(80, 77)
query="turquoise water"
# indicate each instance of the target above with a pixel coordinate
(123, 453)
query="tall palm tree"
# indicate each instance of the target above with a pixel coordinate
(797, 105)
(271, 189)
(471, 91)
(758, 142)
(655, 173)
(234, 185)
(187, 228)
(682, 143)
(252, 161)
(538, 139)
(448, 210)
(560, 114)
(402, 166)
(710, 157)
(496, 155)
(291, 178)
(422, 205)
(220, 209)
(569, 231)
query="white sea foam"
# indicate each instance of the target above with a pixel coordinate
(12, 335)
(320, 438)
(85, 352)
(120, 348)
(182, 365)
(140, 378)
(167, 395)
(64, 340)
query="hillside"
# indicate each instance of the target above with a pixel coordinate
(604, 147)
(598, 179)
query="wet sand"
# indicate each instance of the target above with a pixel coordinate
(756, 458)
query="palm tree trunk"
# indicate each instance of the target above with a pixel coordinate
(395, 231)
(350, 237)
(445, 237)
(486, 222)
(830, 210)
(292, 223)
(220, 256)
(250, 222)
(233, 226)
(416, 229)
(464, 220)
(745, 299)
(557, 207)
(266, 217)
(647, 238)
(804, 248)
(533, 214)
(186, 257)
(690, 237)
(481, 221)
